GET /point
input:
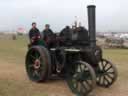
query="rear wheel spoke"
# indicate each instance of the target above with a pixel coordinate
(83, 86)
(87, 82)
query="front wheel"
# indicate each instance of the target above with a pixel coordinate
(81, 78)
(106, 73)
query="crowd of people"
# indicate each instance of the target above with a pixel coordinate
(48, 35)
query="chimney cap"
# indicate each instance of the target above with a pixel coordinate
(91, 6)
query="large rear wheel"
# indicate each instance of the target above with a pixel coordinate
(37, 63)
(81, 78)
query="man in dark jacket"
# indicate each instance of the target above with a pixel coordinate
(47, 32)
(34, 34)
(48, 36)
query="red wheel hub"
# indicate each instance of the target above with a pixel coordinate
(37, 64)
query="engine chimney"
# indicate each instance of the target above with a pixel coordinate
(92, 25)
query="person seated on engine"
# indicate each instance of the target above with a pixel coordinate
(66, 33)
(34, 34)
(48, 36)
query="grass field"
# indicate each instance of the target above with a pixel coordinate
(14, 81)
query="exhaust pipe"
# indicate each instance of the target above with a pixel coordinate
(92, 25)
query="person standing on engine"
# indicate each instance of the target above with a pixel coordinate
(34, 34)
(48, 36)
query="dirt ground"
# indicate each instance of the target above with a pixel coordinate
(16, 83)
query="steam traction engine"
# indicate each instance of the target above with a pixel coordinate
(80, 63)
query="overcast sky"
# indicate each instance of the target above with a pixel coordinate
(112, 15)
